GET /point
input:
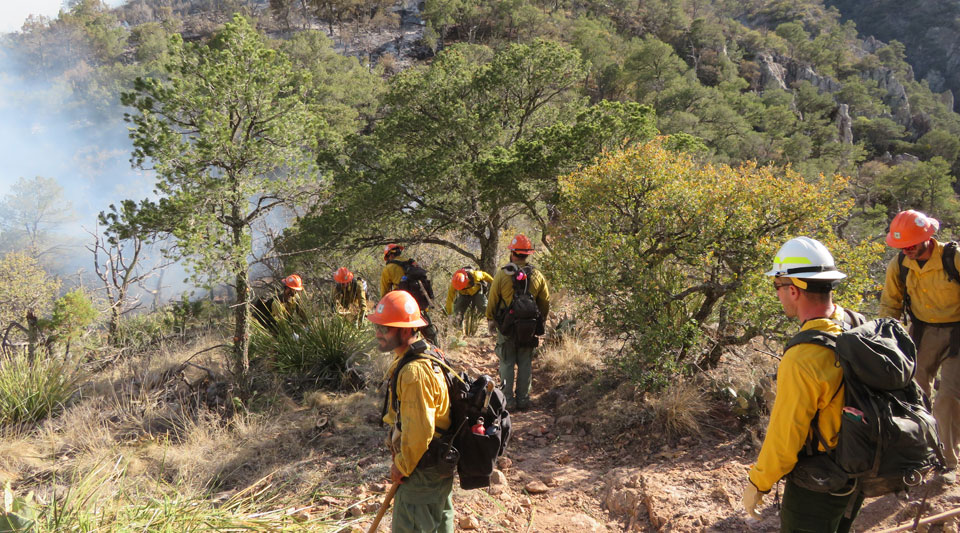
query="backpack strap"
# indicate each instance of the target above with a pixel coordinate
(949, 261)
(827, 340)
(418, 350)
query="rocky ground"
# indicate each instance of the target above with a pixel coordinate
(560, 477)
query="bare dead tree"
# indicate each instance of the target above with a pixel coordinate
(118, 262)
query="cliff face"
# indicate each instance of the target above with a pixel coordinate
(782, 72)
(930, 30)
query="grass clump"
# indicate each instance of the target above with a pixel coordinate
(574, 356)
(679, 408)
(31, 390)
(96, 502)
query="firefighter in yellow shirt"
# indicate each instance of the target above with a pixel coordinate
(922, 282)
(466, 291)
(349, 296)
(809, 387)
(417, 409)
(515, 344)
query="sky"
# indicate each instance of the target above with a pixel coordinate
(14, 12)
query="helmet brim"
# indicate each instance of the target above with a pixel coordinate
(830, 275)
(377, 319)
(902, 243)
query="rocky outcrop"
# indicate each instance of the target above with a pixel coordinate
(824, 84)
(896, 95)
(773, 75)
(845, 124)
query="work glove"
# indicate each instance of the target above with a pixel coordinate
(492, 327)
(751, 499)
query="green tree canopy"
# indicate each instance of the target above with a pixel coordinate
(229, 136)
(465, 146)
(683, 247)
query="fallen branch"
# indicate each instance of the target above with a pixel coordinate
(928, 520)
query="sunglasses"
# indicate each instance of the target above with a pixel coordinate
(777, 286)
(383, 330)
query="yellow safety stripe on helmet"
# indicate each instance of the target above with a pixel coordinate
(798, 260)
(798, 282)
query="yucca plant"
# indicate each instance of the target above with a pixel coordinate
(322, 349)
(31, 390)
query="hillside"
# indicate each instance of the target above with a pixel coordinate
(928, 31)
(655, 153)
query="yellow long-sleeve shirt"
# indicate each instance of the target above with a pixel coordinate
(807, 382)
(424, 408)
(933, 297)
(349, 297)
(501, 290)
(478, 276)
(391, 275)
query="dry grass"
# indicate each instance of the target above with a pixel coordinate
(575, 356)
(678, 409)
(141, 442)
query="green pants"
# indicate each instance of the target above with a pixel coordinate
(511, 355)
(424, 504)
(462, 303)
(805, 511)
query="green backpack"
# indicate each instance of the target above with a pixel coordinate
(888, 437)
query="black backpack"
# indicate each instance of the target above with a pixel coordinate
(521, 320)
(471, 454)
(415, 282)
(888, 438)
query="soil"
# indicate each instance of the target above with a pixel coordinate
(561, 477)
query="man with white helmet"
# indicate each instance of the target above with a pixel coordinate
(808, 391)
(922, 282)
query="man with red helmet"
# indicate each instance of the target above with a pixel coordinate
(511, 351)
(417, 409)
(282, 306)
(922, 283)
(349, 296)
(466, 290)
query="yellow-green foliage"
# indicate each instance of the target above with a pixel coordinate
(671, 251)
(23, 285)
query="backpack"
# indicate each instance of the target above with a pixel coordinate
(521, 320)
(472, 455)
(888, 437)
(415, 282)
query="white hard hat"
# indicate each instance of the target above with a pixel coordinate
(805, 258)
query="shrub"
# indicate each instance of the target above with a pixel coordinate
(33, 390)
(670, 253)
(73, 313)
(319, 349)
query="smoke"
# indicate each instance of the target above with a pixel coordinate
(49, 130)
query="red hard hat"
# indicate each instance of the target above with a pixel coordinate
(521, 244)
(343, 275)
(389, 248)
(461, 280)
(294, 282)
(909, 228)
(397, 309)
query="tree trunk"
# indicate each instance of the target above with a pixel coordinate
(114, 327)
(241, 339)
(488, 251)
(32, 335)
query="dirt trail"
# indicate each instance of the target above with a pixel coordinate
(559, 478)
